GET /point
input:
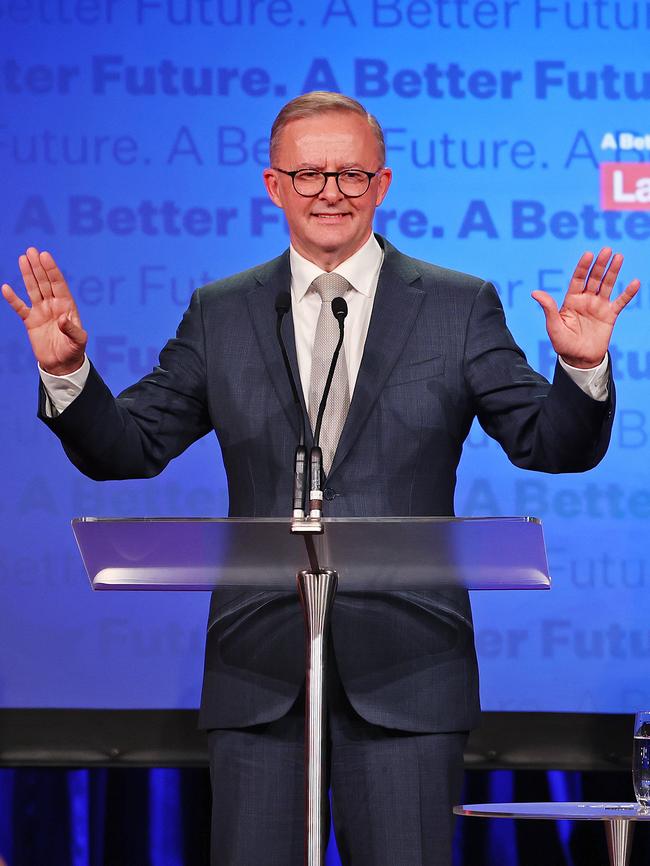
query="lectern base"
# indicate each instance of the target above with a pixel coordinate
(317, 591)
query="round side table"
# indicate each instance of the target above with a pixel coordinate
(618, 818)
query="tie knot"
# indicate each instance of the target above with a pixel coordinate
(330, 286)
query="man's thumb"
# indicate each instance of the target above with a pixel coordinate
(546, 302)
(71, 329)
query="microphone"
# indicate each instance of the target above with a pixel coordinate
(282, 307)
(340, 311)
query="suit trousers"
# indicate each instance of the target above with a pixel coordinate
(392, 792)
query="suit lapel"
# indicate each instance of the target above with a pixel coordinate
(271, 279)
(394, 311)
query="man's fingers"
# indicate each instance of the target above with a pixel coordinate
(14, 301)
(54, 275)
(611, 275)
(39, 272)
(29, 279)
(626, 296)
(597, 271)
(579, 277)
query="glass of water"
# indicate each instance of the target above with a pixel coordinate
(641, 760)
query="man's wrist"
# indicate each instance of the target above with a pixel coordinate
(63, 390)
(63, 371)
(593, 381)
(579, 364)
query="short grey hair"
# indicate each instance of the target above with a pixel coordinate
(321, 102)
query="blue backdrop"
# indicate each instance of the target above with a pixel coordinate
(132, 140)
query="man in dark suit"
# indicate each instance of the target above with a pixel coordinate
(426, 351)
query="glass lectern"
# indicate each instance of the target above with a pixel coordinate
(387, 553)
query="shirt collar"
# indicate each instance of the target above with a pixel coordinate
(361, 270)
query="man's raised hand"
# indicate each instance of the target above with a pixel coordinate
(581, 329)
(52, 322)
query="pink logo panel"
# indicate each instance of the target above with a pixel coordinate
(625, 185)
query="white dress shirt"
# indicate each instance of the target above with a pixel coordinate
(361, 270)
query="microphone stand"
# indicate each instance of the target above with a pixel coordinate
(316, 588)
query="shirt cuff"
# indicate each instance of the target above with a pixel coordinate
(62, 390)
(593, 381)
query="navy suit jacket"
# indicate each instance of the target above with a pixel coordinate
(438, 353)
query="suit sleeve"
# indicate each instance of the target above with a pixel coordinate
(550, 428)
(136, 434)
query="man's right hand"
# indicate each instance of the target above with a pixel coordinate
(52, 322)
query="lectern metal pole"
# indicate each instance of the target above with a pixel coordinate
(317, 591)
(619, 841)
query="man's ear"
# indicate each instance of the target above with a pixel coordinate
(271, 182)
(382, 187)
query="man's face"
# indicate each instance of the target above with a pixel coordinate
(330, 227)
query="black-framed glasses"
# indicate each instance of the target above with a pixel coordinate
(352, 182)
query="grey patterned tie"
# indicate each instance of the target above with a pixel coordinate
(329, 286)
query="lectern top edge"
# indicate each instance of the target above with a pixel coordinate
(278, 520)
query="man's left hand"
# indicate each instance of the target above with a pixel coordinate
(581, 329)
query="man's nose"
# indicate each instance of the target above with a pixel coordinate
(330, 191)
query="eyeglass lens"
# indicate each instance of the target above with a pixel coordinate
(351, 183)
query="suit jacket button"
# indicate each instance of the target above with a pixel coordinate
(329, 493)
